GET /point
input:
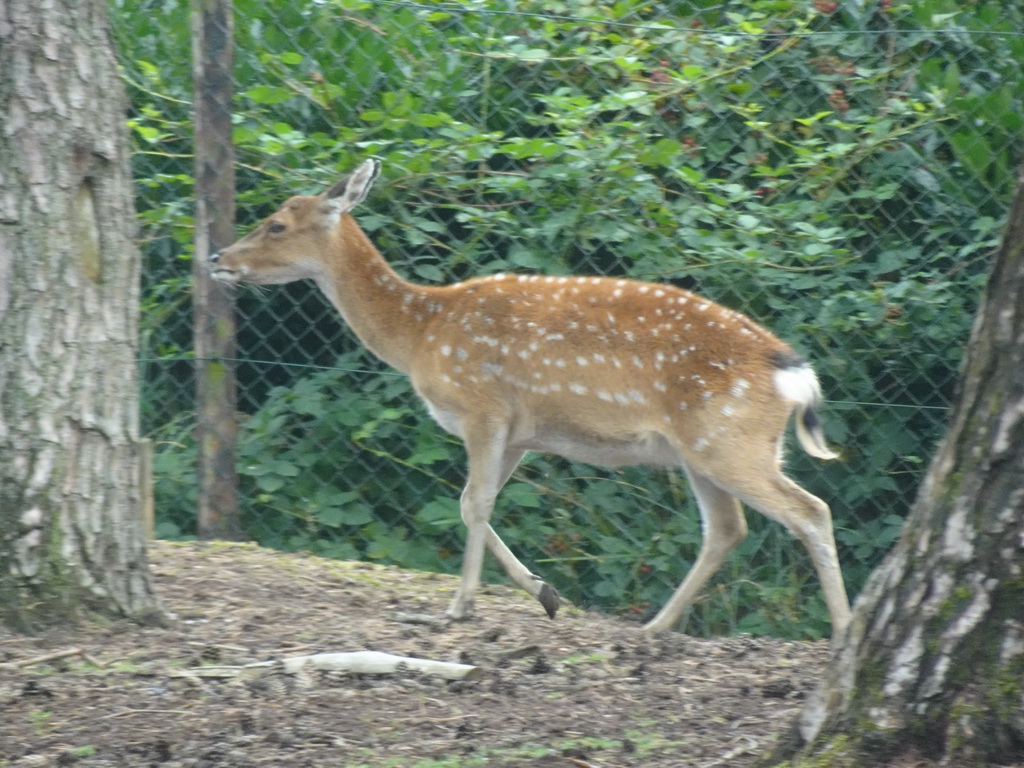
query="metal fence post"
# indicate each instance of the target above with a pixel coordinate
(213, 318)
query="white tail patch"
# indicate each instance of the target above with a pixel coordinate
(799, 385)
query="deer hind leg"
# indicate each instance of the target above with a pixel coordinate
(724, 528)
(774, 495)
(490, 466)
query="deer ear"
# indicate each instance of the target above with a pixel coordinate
(351, 189)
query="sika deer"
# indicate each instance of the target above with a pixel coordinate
(599, 370)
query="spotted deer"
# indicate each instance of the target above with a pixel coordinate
(596, 369)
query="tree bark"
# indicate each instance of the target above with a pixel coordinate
(214, 319)
(70, 531)
(933, 662)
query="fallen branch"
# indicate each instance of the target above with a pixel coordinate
(51, 657)
(356, 662)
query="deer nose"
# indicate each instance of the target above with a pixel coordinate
(214, 256)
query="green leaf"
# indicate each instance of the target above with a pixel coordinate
(951, 80)
(973, 150)
(270, 483)
(813, 119)
(440, 514)
(268, 94)
(431, 121)
(816, 249)
(357, 514)
(522, 495)
(149, 133)
(527, 257)
(662, 152)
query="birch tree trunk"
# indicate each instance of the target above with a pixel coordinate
(934, 660)
(70, 531)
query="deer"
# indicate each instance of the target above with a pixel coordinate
(601, 370)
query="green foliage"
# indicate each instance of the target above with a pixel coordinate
(840, 176)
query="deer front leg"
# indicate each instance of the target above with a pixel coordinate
(487, 475)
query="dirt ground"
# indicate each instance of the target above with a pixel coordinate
(582, 690)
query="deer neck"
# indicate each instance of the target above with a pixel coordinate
(378, 304)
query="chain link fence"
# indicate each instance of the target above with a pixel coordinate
(838, 171)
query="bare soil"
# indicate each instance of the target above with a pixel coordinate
(583, 690)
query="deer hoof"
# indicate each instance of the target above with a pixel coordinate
(550, 599)
(459, 610)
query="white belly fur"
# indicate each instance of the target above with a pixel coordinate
(637, 448)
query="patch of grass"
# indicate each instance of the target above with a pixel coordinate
(597, 657)
(42, 721)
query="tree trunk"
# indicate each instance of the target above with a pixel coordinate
(213, 308)
(933, 663)
(70, 531)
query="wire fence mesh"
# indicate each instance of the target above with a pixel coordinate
(840, 172)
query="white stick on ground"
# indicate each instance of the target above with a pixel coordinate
(357, 662)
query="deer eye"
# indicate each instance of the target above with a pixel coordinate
(276, 227)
